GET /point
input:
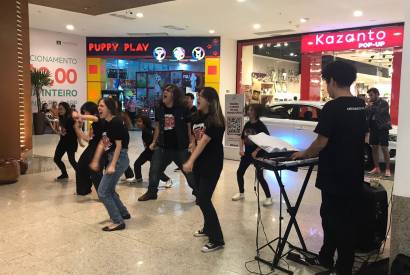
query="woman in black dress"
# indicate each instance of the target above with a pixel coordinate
(85, 176)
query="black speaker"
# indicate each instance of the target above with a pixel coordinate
(372, 223)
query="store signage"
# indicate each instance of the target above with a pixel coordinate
(148, 47)
(352, 40)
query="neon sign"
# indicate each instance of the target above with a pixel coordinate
(355, 39)
(159, 53)
(179, 53)
(198, 53)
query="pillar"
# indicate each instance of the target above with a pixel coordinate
(15, 87)
(400, 235)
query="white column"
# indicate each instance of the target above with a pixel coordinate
(400, 237)
(228, 69)
(402, 172)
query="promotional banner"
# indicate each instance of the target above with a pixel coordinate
(234, 114)
(64, 56)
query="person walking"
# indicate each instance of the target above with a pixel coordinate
(206, 162)
(341, 136)
(379, 124)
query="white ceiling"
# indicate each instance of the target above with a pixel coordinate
(228, 17)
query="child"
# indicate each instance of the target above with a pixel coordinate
(252, 127)
(206, 161)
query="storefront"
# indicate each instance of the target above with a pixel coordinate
(134, 70)
(289, 67)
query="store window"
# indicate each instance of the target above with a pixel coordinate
(270, 70)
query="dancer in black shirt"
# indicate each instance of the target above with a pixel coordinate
(68, 140)
(340, 145)
(206, 161)
(252, 127)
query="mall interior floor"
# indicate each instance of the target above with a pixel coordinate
(46, 229)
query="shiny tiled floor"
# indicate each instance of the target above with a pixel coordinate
(46, 229)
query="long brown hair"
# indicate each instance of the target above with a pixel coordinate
(176, 94)
(215, 116)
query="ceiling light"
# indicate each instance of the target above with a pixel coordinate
(285, 44)
(240, 1)
(292, 54)
(260, 46)
(69, 27)
(140, 15)
(277, 45)
(211, 31)
(256, 26)
(357, 13)
(303, 20)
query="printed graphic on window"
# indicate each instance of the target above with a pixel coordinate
(106, 142)
(199, 130)
(169, 122)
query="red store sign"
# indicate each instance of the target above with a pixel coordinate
(352, 40)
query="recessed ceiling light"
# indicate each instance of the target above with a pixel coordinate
(260, 46)
(240, 1)
(211, 31)
(256, 26)
(357, 13)
(285, 44)
(69, 27)
(303, 20)
(140, 15)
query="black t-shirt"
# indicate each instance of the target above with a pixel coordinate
(341, 162)
(67, 132)
(98, 129)
(172, 124)
(210, 162)
(252, 129)
(147, 136)
(193, 109)
(115, 130)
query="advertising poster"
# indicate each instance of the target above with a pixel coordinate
(64, 56)
(234, 114)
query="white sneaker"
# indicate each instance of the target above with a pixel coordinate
(131, 180)
(169, 183)
(267, 202)
(238, 196)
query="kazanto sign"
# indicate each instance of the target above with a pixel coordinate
(355, 39)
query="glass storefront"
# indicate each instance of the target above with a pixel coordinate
(289, 68)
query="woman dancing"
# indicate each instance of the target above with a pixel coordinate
(206, 161)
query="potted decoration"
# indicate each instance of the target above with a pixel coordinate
(39, 79)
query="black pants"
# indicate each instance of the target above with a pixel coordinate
(339, 219)
(85, 176)
(143, 158)
(246, 161)
(206, 187)
(61, 149)
(161, 158)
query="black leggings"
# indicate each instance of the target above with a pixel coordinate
(206, 187)
(243, 165)
(85, 177)
(61, 149)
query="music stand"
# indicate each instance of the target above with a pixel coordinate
(278, 164)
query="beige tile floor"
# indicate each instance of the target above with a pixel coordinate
(46, 229)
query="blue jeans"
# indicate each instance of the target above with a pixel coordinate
(161, 158)
(106, 190)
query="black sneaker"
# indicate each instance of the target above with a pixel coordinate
(148, 196)
(200, 233)
(209, 247)
(126, 217)
(62, 177)
(138, 180)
